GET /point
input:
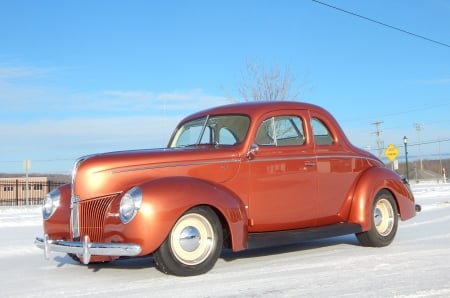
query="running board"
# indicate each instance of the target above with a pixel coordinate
(279, 238)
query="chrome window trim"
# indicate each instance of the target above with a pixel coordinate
(309, 157)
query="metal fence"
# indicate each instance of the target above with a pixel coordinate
(17, 192)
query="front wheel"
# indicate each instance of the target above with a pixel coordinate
(193, 245)
(384, 221)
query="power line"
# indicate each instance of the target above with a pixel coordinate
(383, 24)
(430, 142)
(435, 141)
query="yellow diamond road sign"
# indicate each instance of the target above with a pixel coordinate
(391, 152)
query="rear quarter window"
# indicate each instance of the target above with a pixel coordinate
(322, 135)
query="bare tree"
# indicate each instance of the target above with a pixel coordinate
(260, 84)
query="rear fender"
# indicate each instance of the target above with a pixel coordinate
(369, 184)
(166, 199)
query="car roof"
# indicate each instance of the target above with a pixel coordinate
(255, 108)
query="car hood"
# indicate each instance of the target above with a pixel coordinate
(114, 172)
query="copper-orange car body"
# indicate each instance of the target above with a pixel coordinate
(272, 168)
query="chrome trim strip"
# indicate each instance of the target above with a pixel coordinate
(177, 165)
(74, 217)
(346, 156)
(76, 164)
(306, 157)
(265, 159)
(75, 221)
(237, 160)
(87, 248)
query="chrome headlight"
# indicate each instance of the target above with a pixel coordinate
(130, 204)
(51, 203)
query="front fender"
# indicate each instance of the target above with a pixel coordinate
(166, 199)
(370, 183)
(58, 225)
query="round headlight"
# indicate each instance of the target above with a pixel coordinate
(51, 202)
(130, 204)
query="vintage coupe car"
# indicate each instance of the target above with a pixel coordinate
(237, 176)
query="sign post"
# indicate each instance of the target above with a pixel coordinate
(391, 152)
(26, 166)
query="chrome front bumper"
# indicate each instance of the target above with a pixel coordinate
(87, 248)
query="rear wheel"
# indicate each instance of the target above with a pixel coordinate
(193, 245)
(384, 218)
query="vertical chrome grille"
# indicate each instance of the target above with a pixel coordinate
(91, 216)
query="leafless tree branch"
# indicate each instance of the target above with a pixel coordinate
(260, 84)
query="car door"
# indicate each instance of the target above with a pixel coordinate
(337, 171)
(283, 178)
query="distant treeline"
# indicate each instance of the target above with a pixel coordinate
(434, 165)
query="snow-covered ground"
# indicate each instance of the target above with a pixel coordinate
(416, 264)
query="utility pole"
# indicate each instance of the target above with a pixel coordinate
(441, 168)
(378, 132)
(419, 128)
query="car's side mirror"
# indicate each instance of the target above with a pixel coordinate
(254, 148)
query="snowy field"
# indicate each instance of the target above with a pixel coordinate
(416, 264)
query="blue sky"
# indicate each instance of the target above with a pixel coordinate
(80, 77)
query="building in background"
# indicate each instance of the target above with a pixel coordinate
(18, 191)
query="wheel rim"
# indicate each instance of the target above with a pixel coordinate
(384, 217)
(192, 239)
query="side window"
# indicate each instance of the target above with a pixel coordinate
(281, 131)
(191, 135)
(227, 137)
(322, 135)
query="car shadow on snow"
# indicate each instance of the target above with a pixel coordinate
(144, 262)
(274, 249)
(268, 249)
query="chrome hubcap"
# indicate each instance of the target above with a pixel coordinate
(383, 217)
(190, 239)
(377, 217)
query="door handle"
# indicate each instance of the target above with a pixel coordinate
(310, 163)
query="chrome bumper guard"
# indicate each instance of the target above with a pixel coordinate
(87, 248)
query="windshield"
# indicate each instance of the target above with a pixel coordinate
(212, 130)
